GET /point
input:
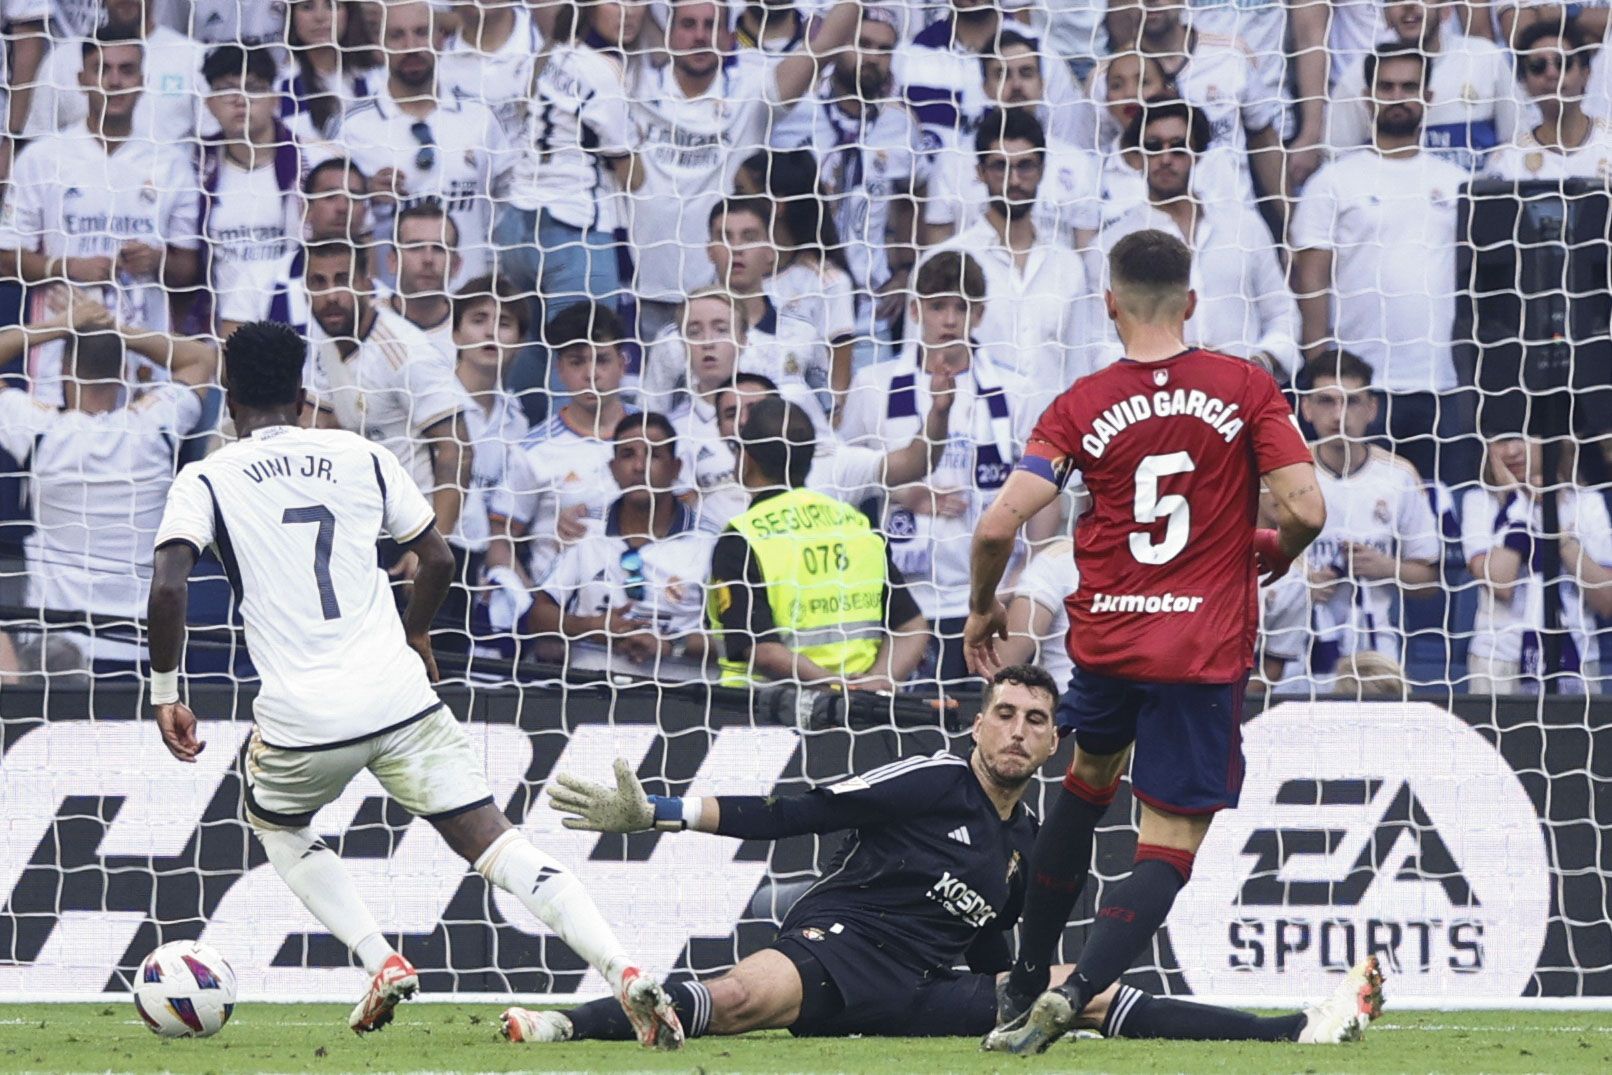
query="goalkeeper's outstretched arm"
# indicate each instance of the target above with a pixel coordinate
(866, 800)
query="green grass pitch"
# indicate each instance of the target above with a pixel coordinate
(461, 1037)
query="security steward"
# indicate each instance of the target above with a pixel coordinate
(801, 586)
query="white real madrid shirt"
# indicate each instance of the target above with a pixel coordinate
(470, 163)
(1049, 577)
(1068, 200)
(501, 79)
(1389, 223)
(295, 515)
(170, 107)
(69, 197)
(576, 122)
(1527, 159)
(251, 229)
(1382, 504)
(391, 388)
(689, 148)
(558, 468)
(96, 487)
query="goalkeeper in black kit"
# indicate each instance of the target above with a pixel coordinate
(905, 933)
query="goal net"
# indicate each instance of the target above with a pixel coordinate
(599, 272)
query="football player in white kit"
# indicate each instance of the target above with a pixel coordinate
(295, 514)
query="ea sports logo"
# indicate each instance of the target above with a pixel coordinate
(1388, 829)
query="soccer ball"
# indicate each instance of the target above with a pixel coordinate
(185, 989)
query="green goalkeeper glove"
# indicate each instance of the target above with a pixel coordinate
(596, 808)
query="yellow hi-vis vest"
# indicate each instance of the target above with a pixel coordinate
(824, 570)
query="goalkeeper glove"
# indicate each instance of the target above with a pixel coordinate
(1273, 562)
(624, 808)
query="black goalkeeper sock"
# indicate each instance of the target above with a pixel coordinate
(1135, 1014)
(1059, 865)
(1130, 917)
(603, 1020)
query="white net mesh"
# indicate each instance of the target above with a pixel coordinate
(508, 228)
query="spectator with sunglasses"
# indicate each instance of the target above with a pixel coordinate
(1244, 305)
(416, 140)
(1553, 68)
(630, 598)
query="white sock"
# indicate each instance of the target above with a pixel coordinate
(555, 896)
(316, 875)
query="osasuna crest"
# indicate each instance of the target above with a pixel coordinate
(1161, 377)
(1424, 850)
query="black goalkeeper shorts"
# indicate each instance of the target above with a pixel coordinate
(851, 986)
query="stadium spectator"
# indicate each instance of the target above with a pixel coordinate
(98, 206)
(1038, 622)
(869, 147)
(1130, 80)
(24, 24)
(168, 110)
(374, 374)
(1288, 43)
(251, 208)
(715, 340)
(417, 141)
(1471, 100)
(488, 57)
(1219, 76)
(555, 235)
(930, 525)
(811, 281)
(695, 121)
(802, 588)
(333, 66)
(98, 470)
(1244, 306)
(786, 349)
(1037, 298)
(630, 596)
(1503, 536)
(335, 206)
(1380, 545)
(1369, 674)
(1374, 268)
(1553, 67)
(939, 74)
(763, 32)
(487, 323)
(849, 472)
(423, 258)
(1068, 203)
(240, 22)
(566, 480)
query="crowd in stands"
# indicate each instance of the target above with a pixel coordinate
(634, 287)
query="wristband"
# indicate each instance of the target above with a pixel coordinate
(675, 815)
(164, 687)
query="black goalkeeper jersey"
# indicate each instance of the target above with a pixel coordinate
(929, 868)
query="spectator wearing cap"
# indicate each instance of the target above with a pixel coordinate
(931, 524)
(1374, 268)
(1471, 99)
(251, 207)
(802, 588)
(1038, 305)
(1553, 69)
(1244, 305)
(630, 597)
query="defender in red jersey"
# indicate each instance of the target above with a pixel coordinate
(1171, 443)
